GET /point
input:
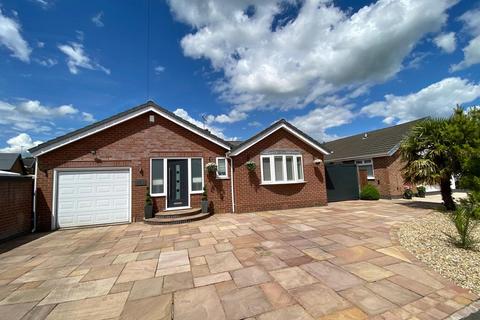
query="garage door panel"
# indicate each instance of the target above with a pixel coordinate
(93, 197)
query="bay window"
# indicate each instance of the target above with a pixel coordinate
(281, 169)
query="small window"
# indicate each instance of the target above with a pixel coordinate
(197, 174)
(300, 168)
(222, 168)
(366, 165)
(267, 176)
(280, 169)
(157, 180)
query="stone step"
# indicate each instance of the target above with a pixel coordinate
(177, 213)
(178, 220)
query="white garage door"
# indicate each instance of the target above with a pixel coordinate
(92, 197)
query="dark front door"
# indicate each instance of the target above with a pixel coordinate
(342, 182)
(177, 191)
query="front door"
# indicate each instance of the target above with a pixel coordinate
(177, 191)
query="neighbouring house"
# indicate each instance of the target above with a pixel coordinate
(378, 153)
(12, 162)
(29, 163)
(100, 174)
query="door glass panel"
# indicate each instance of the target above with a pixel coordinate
(177, 182)
(289, 160)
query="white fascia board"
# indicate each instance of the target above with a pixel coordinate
(274, 129)
(114, 122)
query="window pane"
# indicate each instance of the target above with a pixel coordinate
(289, 160)
(299, 168)
(278, 161)
(222, 167)
(157, 176)
(197, 174)
(266, 169)
(369, 169)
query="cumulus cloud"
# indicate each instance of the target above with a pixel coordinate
(11, 38)
(471, 53)
(446, 42)
(88, 117)
(437, 99)
(159, 69)
(20, 144)
(317, 121)
(49, 62)
(32, 115)
(286, 54)
(182, 113)
(97, 19)
(77, 58)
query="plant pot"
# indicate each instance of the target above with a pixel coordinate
(204, 205)
(148, 210)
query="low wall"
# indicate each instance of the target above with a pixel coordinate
(16, 205)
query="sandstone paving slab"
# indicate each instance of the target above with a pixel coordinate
(171, 262)
(367, 300)
(368, 271)
(270, 262)
(395, 252)
(45, 274)
(138, 270)
(106, 307)
(122, 287)
(27, 295)
(146, 288)
(286, 252)
(354, 254)
(198, 303)
(221, 262)
(289, 313)
(331, 275)
(212, 279)
(393, 292)
(319, 300)
(250, 276)
(344, 240)
(416, 273)
(317, 253)
(245, 302)
(61, 282)
(277, 295)
(349, 314)
(79, 291)
(292, 277)
(103, 272)
(201, 251)
(39, 312)
(178, 281)
(15, 311)
(151, 308)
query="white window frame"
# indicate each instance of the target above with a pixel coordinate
(284, 169)
(365, 163)
(164, 194)
(226, 168)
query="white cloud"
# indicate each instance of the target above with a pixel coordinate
(446, 42)
(97, 19)
(317, 121)
(437, 99)
(88, 117)
(20, 143)
(11, 38)
(40, 44)
(231, 117)
(318, 52)
(43, 3)
(471, 53)
(49, 62)
(32, 115)
(159, 69)
(182, 113)
(77, 58)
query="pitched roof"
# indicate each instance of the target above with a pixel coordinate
(377, 143)
(120, 117)
(7, 160)
(282, 123)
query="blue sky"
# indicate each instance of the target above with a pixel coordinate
(333, 68)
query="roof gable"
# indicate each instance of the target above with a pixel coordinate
(122, 117)
(281, 124)
(376, 143)
(7, 160)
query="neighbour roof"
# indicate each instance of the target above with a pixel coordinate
(282, 123)
(7, 160)
(29, 162)
(377, 143)
(120, 117)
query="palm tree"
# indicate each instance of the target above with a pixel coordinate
(429, 157)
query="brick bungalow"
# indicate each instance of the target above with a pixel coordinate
(377, 152)
(100, 174)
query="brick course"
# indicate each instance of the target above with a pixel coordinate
(16, 205)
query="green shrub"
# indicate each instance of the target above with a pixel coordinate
(148, 198)
(204, 194)
(369, 192)
(421, 191)
(465, 223)
(407, 193)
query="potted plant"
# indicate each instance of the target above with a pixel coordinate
(211, 167)
(204, 200)
(421, 191)
(407, 193)
(251, 165)
(148, 209)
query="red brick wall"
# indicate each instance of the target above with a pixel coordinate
(16, 201)
(132, 144)
(251, 196)
(388, 177)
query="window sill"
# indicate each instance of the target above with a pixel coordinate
(371, 178)
(157, 194)
(281, 182)
(196, 192)
(222, 178)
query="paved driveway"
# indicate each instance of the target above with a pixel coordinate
(335, 262)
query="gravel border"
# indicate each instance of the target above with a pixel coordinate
(427, 240)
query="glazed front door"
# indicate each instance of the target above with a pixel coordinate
(177, 191)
